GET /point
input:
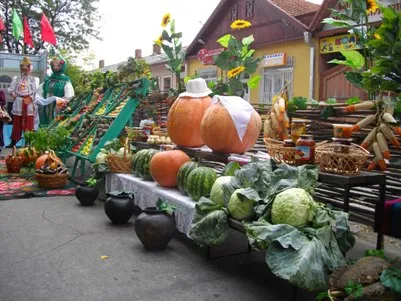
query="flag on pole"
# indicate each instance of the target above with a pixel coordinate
(17, 25)
(27, 34)
(47, 30)
(2, 27)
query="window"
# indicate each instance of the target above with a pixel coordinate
(274, 80)
(208, 75)
(234, 13)
(249, 8)
(166, 83)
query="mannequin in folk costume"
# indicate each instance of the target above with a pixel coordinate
(23, 89)
(57, 84)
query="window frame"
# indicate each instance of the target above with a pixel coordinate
(171, 82)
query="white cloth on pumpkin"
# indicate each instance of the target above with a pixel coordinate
(239, 109)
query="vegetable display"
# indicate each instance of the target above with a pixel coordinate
(199, 182)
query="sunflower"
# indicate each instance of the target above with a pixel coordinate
(377, 36)
(166, 19)
(240, 24)
(159, 40)
(371, 6)
(234, 72)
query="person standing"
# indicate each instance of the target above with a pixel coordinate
(23, 89)
(2, 104)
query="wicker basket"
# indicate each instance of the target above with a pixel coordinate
(122, 164)
(279, 153)
(348, 162)
(14, 165)
(52, 181)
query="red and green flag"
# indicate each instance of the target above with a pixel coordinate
(27, 34)
(17, 25)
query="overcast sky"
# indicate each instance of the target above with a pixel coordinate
(129, 25)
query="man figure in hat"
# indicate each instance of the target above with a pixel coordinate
(23, 89)
(57, 84)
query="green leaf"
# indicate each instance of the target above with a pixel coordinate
(322, 296)
(331, 101)
(354, 290)
(224, 40)
(166, 36)
(248, 54)
(163, 206)
(353, 59)
(177, 35)
(355, 78)
(337, 23)
(375, 253)
(391, 279)
(254, 81)
(248, 40)
(327, 112)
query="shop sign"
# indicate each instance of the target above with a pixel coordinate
(208, 57)
(273, 60)
(339, 43)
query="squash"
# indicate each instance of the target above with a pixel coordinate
(184, 119)
(28, 153)
(164, 167)
(47, 157)
(219, 132)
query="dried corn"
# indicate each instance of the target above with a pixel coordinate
(381, 140)
(389, 135)
(266, 129)
(275, 123)
(369, 138)
(387, 117)
(276, 109)
(379, 156)
(366, 105)
(281, 104)
(364, 122)
(285, 134)
(372, 164)
(286, 121)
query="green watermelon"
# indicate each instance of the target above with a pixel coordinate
(141, 163)
(183, 173)
(200, 182)
(230, 168)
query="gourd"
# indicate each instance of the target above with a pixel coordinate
(219, 133)
(184, 120)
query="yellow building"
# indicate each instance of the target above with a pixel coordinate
(282, 39)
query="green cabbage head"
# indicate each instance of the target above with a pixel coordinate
(293, 207)
(217, 192)
(239, 206)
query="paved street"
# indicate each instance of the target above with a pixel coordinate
(51, 248)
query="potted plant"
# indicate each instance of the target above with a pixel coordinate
(87, 192)
(155, 227)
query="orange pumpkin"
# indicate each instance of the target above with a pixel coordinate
(219, 132)
(164, 167)
(29, 154)
(47, 157)
(184, 119)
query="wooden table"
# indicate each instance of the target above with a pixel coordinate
(363, 179)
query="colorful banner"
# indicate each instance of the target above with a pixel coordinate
(207, 57)
(339, 43)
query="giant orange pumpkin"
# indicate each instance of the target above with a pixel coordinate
(164, 167)
(219, 132)
(184, 119)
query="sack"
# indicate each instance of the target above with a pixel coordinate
(4, 116)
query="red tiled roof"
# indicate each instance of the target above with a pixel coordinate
(296, 7)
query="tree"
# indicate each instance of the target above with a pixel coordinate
(73, 21)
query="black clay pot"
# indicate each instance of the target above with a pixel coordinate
(86, 195)
(119, 207)
(155, 229)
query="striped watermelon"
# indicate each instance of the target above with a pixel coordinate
(141, 163)
(230, 168)
(200, 182)
(183, 173)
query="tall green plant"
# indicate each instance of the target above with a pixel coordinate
(237, 59)
(170, 41)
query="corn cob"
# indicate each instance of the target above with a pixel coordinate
(266, 129)
(372, 164)
(389, 135)
(275, 123)
(281, 104)
(381, 140)
(379, 156)
(369, 138)
(366, 105)
(364, 122)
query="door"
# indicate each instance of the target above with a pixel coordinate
(274, 81)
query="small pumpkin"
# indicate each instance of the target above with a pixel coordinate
(47, 157)
(219, 133)
(164, 167)
(184, 120)
(29, 154)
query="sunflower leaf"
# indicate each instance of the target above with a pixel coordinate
(254, 81)
(248, 40)
(224, 40)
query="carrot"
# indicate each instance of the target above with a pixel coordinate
(397, 130)
(372, 164)
(365, 144)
